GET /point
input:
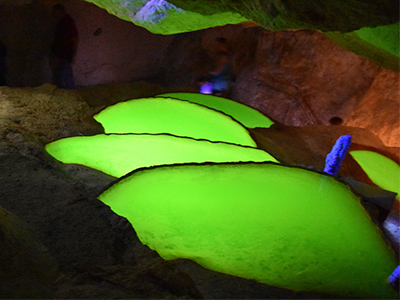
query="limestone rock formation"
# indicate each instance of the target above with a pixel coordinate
(333, 17)
(162, 17)
(291, 14)
(272, 15)
(316, 142)
(297, 78)
(97, 252)
(63, 117)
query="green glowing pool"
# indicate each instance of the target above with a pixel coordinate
(118, 154)
(281, 226)
(383, 171)
(173, 116)
(246, 115)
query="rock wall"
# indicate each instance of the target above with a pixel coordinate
(190, 15)
(297, 78)
(301, 77)
(26, 31)
(379, 109)
(305, 70)
(110, 49)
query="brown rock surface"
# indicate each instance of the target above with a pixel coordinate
(110, 50)
(47, 112)
(308, 146)
(297, 78)
(379, 109)
(307, 71)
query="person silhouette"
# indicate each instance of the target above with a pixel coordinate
(64, 48)
(221, 75)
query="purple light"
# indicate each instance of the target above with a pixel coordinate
(206, 88)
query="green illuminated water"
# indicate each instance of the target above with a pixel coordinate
(383, 171)
(117, 154)
(281, 226)
(177, 117)
(246, 115)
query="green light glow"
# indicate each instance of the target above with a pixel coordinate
(383, 171)
(117, 155)
(177, 117)
(281, 226)
(384, 37)
(164, 20)
(246, 115)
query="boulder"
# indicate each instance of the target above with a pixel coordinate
(27, 270)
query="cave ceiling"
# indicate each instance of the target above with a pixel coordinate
(366, 27)
(329, 15)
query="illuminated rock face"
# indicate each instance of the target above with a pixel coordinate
(381, 100)
(163, 17)
(118, 155)
(177, 117)
(281, 226)
(274, 15)
(287, 75)
(324, 83)
(379, 44)
(383, 171)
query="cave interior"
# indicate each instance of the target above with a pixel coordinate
(302, 65)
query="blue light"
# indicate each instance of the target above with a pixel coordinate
(154, 11)
(335, 158)
(394, 277)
